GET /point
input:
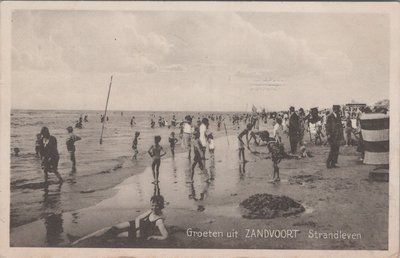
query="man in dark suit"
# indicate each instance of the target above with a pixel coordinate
(334, 133)
(294, 130)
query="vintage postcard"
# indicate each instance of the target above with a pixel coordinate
(210, 129)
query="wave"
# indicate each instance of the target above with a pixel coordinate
(32, 186)
(15, 124)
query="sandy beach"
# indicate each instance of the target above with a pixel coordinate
(341, 201)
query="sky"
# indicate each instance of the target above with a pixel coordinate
(197, 61)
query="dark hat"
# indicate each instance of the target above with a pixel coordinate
(291, 108)
(70, 129)
(336, 107)
(45, 132)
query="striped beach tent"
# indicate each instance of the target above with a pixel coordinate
(375, 134)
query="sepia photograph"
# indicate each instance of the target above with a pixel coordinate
(164, 127)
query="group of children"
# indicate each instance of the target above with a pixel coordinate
(274, 146)
(156, 151)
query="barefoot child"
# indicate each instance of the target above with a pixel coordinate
(156, 152)
(277, 154)
(135, 145)
(72, 138)
(37, 144)
(318, 135)
(241, 142)
(211, 145)
(172, 142)
(198, 153)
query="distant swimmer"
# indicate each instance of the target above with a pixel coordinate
(135, 145)
(49, 154)
(156, 151)
(78, 124)
(86, 119)
(16, 152)
(133, 123)
(152, 123)
(72, 138)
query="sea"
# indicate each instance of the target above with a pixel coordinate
(99, 166)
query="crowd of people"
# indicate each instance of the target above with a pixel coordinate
(285, 141)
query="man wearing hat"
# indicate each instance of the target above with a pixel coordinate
(294, 129)
(334, 134)
(72, 138)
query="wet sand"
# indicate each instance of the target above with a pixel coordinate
(336, 199)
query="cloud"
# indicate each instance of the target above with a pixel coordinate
(229, 40)
(175, 67)
(85, 42)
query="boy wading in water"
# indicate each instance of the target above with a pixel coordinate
(172, 141)
(198, 153)
(72, 138)
(135, 145)
(156, 152)
(241, 142)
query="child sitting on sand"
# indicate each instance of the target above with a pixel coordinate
(156, 152)
(172, 142)
(135, 145)
(304, 153)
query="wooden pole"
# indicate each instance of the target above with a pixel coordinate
(226, 133)
(105, 111)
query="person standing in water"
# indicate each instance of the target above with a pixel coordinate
(49, 154)
(198, 153)
(156, 151)
(72, 138)
(135, 145)
(241, 142)
(133, 123)
(187, 134)
(172, 142)
(37, 145)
